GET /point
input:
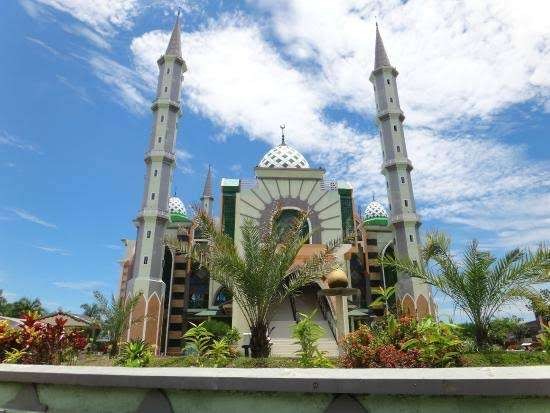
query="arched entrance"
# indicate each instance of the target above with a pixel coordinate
(287, 218)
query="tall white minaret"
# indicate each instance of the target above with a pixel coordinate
(207, 199)
(160, 161)
(397, 170)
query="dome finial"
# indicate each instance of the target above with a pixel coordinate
(373, 195)
(283, 126)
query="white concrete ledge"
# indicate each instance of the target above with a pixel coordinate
(473, 381)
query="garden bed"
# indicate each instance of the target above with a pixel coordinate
(485, 359)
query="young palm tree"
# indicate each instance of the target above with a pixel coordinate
(263, 275)
(115, 316)
(480, 284)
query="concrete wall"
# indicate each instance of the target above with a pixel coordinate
(164, 390)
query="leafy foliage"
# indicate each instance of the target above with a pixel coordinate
(539, 303)
(221, 330)
(135, 353)
(403, 342)
(19, 308)
(263, 275)
(115, 317)
(40, 343)
(480, 284)
(203, 349)
(384, 299)
(500, 331)
(307, 333)
(544, 339)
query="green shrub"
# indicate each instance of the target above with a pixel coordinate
(135, 353)
(403, 342)
(204, 350)
(544, 339)
(505, 358)
(307, 332)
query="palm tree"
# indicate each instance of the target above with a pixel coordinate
(479, 284)
(263, 275)
(115, 317)
(384, 300)
(91, 310)
(26, 305)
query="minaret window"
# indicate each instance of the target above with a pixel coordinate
(388, 80)
(145, 260)
(411, 238)
(395, 128)
(153, 196)
(162, 118)
(166, 88)
(148, 234)
(406, 203)
(402, 179)
(391, 100)
(398, 148)
(168, 71)
(160, 139)
(155, 173)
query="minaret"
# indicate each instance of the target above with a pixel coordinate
(160, 161)
(397, 170)
(207, 199)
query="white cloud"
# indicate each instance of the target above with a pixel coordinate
(79, 90)
(27, 216)
(128, 88)
(84, 286)
(9, 140)
(45, 46)
(104, 16)
(53, 250)
(182, 161)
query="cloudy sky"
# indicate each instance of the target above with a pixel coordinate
(78, 77)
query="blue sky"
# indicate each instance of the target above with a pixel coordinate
(78, 76)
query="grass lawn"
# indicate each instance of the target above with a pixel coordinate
(496, 358)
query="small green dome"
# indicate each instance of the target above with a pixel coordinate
(375, 214)
(177, 210)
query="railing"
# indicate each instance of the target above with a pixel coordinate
(327, 315)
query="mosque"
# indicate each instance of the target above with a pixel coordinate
(177, 290)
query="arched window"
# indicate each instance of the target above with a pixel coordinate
(198, 287)
(222, 296)
(287, 218)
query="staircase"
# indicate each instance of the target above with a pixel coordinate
(283, 321)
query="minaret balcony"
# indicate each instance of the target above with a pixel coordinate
(406, 217)
(159, 155)
(386, 114)
(153, 213)
(394, 163)
(164, 103)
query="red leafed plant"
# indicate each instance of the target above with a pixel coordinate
(401, 342)
(43, 343)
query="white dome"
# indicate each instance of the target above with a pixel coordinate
(375, 213)
(283, 156)
(175, 206)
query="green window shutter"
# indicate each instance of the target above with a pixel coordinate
(346, 206)
(229, 197)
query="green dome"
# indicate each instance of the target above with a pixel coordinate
(375, 214)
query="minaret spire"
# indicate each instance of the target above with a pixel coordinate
(282, 134)
(174, 45)
(380, 55)
(207, 197)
